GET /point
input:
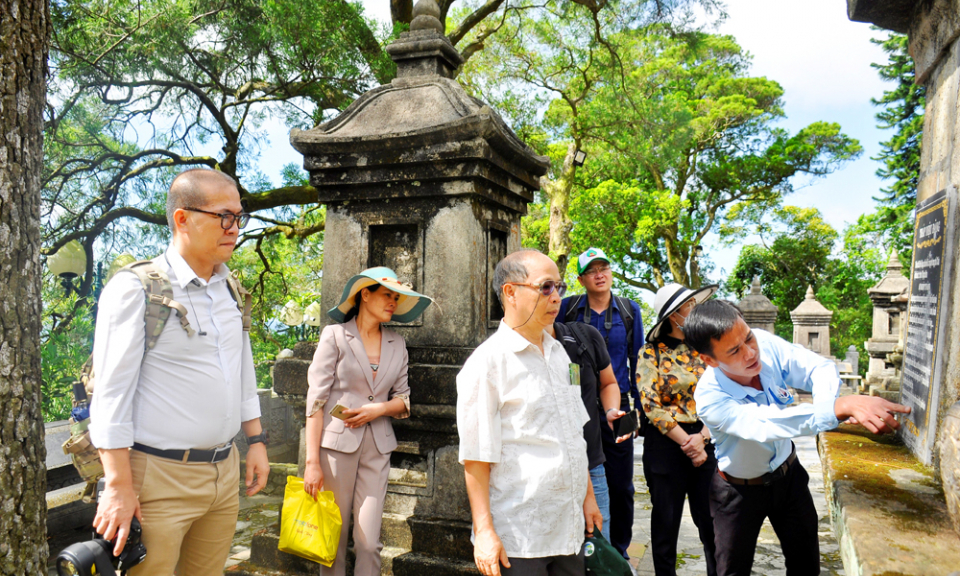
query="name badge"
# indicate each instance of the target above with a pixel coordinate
(574, 374)
(781, 395)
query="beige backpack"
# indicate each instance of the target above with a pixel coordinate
(158, 292)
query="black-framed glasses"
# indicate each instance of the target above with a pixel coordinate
(226, 218)
(596, 271)
(545, 288)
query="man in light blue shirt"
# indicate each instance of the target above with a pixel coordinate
(745, 400)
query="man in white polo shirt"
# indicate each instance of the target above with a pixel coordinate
(520, 419)
(164, 418)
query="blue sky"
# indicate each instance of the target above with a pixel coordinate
(821, 59)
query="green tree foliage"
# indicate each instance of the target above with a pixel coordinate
(796, 250)
(688, 148)
(902, 111)
(544, 67)
(793, 253)
(141, 90)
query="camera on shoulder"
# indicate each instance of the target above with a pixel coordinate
(95, 557)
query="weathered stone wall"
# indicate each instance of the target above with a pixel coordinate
(933, 34)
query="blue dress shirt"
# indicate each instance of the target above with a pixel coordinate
(624, 363)
(753, 428)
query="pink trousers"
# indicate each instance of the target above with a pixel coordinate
(359, 485)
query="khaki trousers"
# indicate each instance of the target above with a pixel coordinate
(359, 485)
(189, 513)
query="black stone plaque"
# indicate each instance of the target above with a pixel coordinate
(927, 316)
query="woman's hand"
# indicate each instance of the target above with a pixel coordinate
(694, 448)
(312, 479)
(357, 417)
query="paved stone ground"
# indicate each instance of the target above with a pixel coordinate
(768, 560)
(262, 510)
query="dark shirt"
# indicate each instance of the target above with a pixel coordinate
(624, 362)
(589, 383)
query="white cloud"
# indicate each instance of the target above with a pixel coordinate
(819, 56)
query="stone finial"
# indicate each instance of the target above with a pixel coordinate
(810, 309)
(426, 16)
(758, 311)
(424, 50)
(893, 264)
(892, 283)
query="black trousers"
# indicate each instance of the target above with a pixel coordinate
(619, 471)
(671, 477)
(572, 565)
(738, 514)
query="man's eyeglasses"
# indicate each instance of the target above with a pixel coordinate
(545, 288)
(226, 218)
(596, 271)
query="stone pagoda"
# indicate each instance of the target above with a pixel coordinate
(888, 310)
(811, 325)
(421, 177)
(758, 310)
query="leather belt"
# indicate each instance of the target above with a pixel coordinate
(213, 456)
(766, 479)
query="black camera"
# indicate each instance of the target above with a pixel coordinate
(95, 557)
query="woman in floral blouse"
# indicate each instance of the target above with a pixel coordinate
(678, 458)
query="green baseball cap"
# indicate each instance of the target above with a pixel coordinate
(600, 558)
(588, 257)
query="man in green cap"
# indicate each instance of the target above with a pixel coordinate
(619, 322)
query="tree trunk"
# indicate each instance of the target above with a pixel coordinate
(24, 38)
(559, 193)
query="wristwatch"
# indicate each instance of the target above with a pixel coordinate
(707, 440)
(261, 437)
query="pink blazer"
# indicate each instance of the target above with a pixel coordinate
(340, 374)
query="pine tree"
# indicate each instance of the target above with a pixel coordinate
(902, 110)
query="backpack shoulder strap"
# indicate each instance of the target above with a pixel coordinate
(582, 335)
(626, 312)
(158, 293)
(243, 298)
(626, 308)
(572, 307)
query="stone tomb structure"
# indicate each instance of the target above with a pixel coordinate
(895, 503)
(758, 310)
(421, 177)
(811, 325)
(889, 310)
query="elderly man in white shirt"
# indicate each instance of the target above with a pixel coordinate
(520, 419)
(164, 419)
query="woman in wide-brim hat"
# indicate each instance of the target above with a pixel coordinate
(357, 383)
(678, 457)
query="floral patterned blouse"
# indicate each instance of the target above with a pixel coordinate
(666, 386)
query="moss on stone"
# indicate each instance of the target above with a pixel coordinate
(865, 460)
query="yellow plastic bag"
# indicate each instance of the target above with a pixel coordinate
(309, 528)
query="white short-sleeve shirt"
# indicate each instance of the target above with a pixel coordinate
(517, 410)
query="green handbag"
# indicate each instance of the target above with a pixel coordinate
(602, 559)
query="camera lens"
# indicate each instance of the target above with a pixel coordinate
(85, 559)
(66, 567)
